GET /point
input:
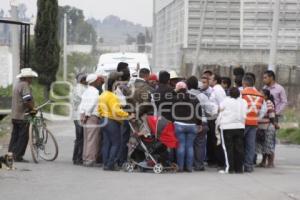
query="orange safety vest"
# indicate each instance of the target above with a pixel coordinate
(255, 101)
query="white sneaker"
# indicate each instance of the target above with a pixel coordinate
(223, 172)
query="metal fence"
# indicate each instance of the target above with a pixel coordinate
(287, 76)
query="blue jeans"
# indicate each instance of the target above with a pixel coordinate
(125, 135)
(186, 135)
(200, 148)
(111, 142)
(250, 141)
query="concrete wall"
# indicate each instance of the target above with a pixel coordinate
(79, 48)
(169, 34)
(235, 32)
(241, 57)
(6, 74)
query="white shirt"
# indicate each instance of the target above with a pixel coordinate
(233, 113)
(208, 109)
(89, 102)
(218, 94)
(76, 100)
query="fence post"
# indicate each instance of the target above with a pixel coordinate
(289, 86)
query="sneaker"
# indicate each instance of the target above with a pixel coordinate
(77, 162)
(248, 170)
(116, 168)
(199, 169)
(223, 171)
(88, 163)
(189, 170)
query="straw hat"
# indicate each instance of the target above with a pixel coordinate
(174, 75)
(27, 72)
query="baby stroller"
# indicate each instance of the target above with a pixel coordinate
(148, 147)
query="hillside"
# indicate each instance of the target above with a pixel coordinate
(114, 30)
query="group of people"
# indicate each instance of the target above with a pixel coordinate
(218, 122)
(222, 122)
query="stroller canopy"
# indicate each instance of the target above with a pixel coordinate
(163, 130)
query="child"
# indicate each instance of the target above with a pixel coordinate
(266, 138)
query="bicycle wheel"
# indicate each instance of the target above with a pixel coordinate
(49, 149)
(33, 142)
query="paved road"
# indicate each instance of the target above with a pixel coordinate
(60, 180)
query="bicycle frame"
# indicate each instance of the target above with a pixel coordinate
(39, 136)
(37, 123)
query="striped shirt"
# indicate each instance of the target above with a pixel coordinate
(265, 121)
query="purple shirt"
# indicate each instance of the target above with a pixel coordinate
(280, 97)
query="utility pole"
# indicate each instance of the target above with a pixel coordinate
(154, 35)
(65, 71)
(275, 28)
(198, 48)
(15, 47)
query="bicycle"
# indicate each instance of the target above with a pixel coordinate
(41, 140)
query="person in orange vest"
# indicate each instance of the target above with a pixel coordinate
(256, 110)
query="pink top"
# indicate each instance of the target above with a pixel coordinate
(280, 97)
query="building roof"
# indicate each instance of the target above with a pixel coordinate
(8, 21)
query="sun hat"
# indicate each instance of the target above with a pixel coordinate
(91, 78)
(27, 72)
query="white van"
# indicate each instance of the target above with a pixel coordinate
(109, 62)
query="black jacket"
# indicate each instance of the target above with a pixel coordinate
(186, 108)
(164, 95)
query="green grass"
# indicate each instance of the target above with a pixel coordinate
(6, 92)
(292, 115)
(5, 126)
(290, 135)
(39, 97)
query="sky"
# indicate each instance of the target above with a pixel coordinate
(137, 11)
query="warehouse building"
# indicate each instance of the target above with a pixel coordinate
(235, 32)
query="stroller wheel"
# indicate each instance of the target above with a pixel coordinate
(129, 167)
(158, 168)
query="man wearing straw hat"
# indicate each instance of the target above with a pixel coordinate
(22, 102)
(90, 120)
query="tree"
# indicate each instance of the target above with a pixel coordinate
(47, 48)
(141, 41)
(74, 17)
(1, 13)
(81, 62)
(86, 34)
(130, 40)
(148, 35)
(79, 30)
(22, 8)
